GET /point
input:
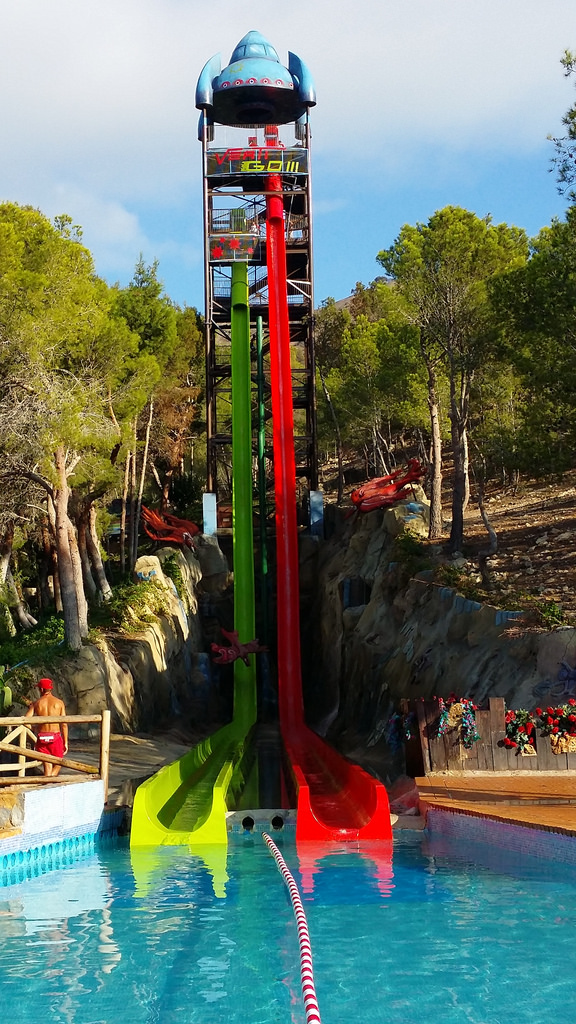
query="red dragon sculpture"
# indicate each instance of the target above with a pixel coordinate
(166, 529)
(387, 490)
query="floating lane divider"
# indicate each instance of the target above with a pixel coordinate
(306, 972)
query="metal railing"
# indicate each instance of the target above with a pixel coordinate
(28, 757)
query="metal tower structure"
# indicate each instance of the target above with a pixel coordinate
(237, 162)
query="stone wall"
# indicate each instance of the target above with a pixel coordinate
(149, 676)
(381, 633)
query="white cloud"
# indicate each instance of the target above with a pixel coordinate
(109, 85)
(98, 98)
(115, 233)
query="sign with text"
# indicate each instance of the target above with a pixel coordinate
(257, 161)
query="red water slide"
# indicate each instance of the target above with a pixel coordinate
(336, 799)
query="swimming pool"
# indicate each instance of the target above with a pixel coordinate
(456, 934)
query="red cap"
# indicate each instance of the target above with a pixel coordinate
(45, 684)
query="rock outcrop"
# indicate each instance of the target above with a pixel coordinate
(149, 675)
(384, 631)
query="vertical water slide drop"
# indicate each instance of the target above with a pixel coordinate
(242, 518)
(187, 802)
(287, 575)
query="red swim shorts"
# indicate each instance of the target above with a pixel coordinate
(50, 743)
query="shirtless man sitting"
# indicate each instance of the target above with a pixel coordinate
(51, 737)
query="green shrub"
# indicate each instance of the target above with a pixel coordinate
(411, 553)
(133, 606)
(550, 613)
(171, 568)
(40, 645)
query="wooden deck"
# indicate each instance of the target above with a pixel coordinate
(535, 800)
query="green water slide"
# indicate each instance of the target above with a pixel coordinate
(186, 802)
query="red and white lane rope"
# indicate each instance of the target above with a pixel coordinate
(306, 972)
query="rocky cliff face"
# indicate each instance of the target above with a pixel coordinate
(375, 630)
(384, 631)
(148, 677)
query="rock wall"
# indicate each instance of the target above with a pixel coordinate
(381, 633)
(149, 676)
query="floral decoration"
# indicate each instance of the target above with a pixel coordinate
(520, 731)
(561, 719)
(522, 726)
(453, 712)
(559, 723)
(458, 711)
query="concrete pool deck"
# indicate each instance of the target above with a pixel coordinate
(133, 758)
(539, 800)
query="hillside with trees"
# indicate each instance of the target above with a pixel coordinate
(98, 401)
(461, 354)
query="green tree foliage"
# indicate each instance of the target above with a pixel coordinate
(377, 385)
(55, 425)
(372, 379)
(149, 313)
(442, 269)
(331, 320)
(564, 159)
(178, 404)
(500, 404)
(371, 301)
(536, 309)
(81, 368)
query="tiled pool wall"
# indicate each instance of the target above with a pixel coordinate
(257, 821)
(532, 842)
(58, 826)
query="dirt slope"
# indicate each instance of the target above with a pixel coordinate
(536, 558)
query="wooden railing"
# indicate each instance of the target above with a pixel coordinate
(19, 729)
(427, 752)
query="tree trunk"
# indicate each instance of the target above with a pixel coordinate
(8, 627)
(382, 450)
(54, 555)
(72, 630)
(459, 406)
(26, 620)
(78, 580)
(466, 470)
(142, 479)
(338, 438)
(45, 567)
(133, 474)
(123, 513)
(82, 527)
(8, 584)
(6, 551)
(165, 488)
(492, 548)
(95, 556)
(435, 529)
(459, 482)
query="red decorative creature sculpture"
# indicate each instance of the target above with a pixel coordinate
(225, 655)
(166, 529)
(387, 490)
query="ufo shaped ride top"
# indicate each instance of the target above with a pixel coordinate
(255, 88)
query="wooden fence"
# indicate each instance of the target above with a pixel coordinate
(16, 743)
(427, 752)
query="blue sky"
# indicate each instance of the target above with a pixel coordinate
(421, 103)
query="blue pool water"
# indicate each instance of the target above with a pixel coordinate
(447, 934)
